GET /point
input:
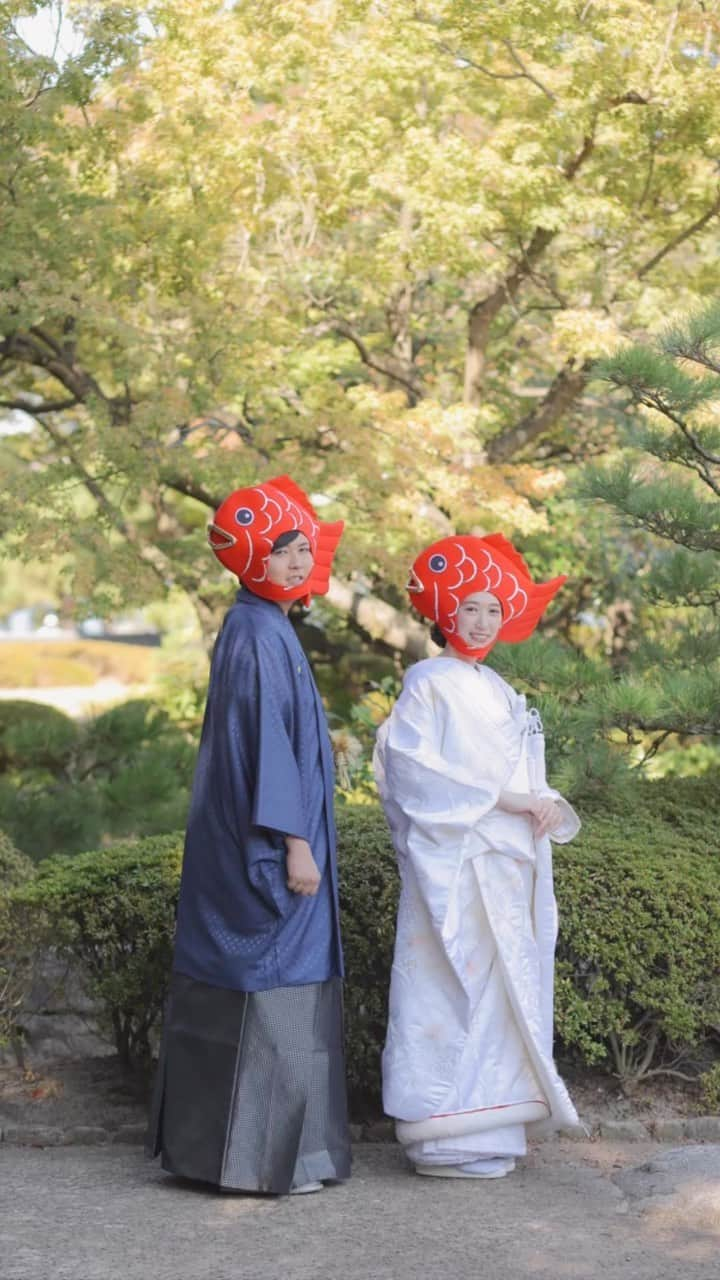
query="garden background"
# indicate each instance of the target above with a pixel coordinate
(453, 268)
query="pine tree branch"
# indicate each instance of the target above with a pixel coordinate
(662, 723)
(697, 355)
(666, 526)
(653, 400)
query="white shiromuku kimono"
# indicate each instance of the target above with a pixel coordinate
(468, 1057)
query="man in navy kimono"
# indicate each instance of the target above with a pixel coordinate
(251, 1091)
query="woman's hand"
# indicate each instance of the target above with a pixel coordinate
(544, 811)
(546, 814)
(303, 876)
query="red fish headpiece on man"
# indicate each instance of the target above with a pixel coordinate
(444, 574)
(250, 521)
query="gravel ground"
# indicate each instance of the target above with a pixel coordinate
(581, 1211)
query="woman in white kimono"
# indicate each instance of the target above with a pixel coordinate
(468, 1062)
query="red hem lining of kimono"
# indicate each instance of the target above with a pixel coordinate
(502, 1106)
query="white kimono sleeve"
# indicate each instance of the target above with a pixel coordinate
(431, 773)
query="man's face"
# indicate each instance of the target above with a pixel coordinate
(290, 565)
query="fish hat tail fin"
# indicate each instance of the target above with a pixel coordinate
(539, 596)
(327, 541)
(293, 491)
(500, 543)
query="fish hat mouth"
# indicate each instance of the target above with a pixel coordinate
(220, 539)
(451, 569)
(249, 522)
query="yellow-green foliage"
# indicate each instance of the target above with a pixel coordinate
(43, 663)
(338, 198)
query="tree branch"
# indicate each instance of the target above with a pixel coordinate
(561, 394)
(381, 622)
(38, 349)
(521, 74)
(524, 71)
(47, 406)
(190, 488)
(386, 366)
(458, 56)
(680, 238)
(655, 401)
(483, 313)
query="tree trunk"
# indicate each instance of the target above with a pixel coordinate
(484, 313)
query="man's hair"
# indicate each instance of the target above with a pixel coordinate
(285, 539)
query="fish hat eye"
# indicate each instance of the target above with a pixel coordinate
(437, 563)
(244, 516)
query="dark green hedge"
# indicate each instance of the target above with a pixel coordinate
(112, 912)
(638, 973)
(18, 938)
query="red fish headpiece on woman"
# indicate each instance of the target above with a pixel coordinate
(249, 522)
(444, 574)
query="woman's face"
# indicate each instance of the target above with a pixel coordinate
(479, 619)
(290, 565)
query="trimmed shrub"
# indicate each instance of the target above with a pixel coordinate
(638, 967)
(368, 901)
(112, 913)
(16, 943)
(115, 734)
(638, 964)
(15, 867)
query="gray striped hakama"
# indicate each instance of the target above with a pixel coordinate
(250, 1090)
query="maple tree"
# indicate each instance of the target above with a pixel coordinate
(376, 245)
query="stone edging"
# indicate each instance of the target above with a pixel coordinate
(695, 1128)
(78, 1135)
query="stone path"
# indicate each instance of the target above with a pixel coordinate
(584, 1211)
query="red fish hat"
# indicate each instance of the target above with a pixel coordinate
(444, 574)
(248, 523)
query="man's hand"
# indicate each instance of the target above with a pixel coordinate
(303, 876)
